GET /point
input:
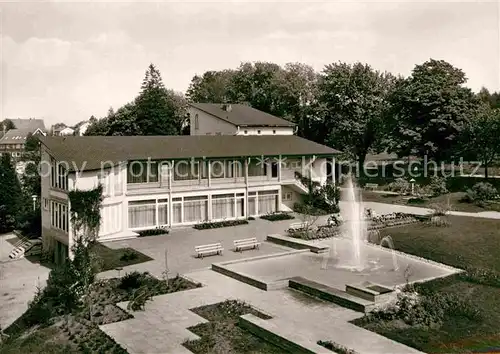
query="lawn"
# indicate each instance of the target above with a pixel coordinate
(222, 333)
(78, 331)
(454, 199)
(117, 258)
(466, 243)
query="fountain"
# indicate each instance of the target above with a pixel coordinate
(355, 228)
(389, 242)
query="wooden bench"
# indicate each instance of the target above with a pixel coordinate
(299, 225)
(212, 249)
(246, 243)
(371, 186)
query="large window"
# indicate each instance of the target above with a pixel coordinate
(257, 168)
(189, 209)
(141, 214)
(263, 202)
(186, 170)
(59, 216)
(58, 175)
(162, 212)
(226, 169)
(195, 209)
(142, 172)
(227, 206)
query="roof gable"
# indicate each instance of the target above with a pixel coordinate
(28, 123)
(243, 115)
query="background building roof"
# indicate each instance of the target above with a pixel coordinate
(87, 152)
(242, 115)
(28, 123)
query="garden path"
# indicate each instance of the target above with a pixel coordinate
(162, 327)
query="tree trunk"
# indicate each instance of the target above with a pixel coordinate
(485, 169)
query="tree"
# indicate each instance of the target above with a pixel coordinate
(492, 99)
(10, 194)
(482, 136)
(353, 104)
(211, 87)
(7, 124)
(123, 122)
(155, 107)
(430, 109)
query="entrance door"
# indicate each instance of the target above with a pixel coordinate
(274, 170)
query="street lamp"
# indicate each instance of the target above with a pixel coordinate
(412, 181)
(34, 196)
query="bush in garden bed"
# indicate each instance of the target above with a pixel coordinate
(215, 225)
(277, 216)
(336, 348)
(153, 232)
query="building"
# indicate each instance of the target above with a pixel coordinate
(174, 181)
(66, 131)
(13, 140)
(235, 119)
(82, 128)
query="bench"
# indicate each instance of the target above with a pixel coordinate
(212, 249)
(299, 225)
(371, 186)
(246, 243)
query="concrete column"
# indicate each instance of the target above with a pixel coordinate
(209, 171)
(334, 180)
(279, 169)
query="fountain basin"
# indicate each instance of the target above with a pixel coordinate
(369, 291)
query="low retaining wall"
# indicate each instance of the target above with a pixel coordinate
(297, 243)
(263, 329)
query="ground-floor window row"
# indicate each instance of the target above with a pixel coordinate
(155, 212)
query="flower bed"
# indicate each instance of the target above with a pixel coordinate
(277, 216)
(218, 224)
(222, 334)
(336, 348)
(153, 232)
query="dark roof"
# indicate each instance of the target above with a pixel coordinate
(87, 152)
(242, 115)
(15, 136)
(28, 123)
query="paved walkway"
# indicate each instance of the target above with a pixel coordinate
(162, 327)
(180, 245)
(19, 280)
(384, 208)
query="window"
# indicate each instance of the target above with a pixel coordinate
(59, 217)
(105, 181)
(142, 172)
(162, 212)
(186, 170)
(196, 122)
(46, 203)
(263, 202)
(287, 196)
(58, 175)
(189, 209)
(256, 168)
(141, 214)
(223, 206)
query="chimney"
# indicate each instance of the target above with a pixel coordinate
(227, 107)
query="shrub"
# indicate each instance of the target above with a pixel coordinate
(250, 218)
(440, 209)
(277, 216)
(400, 185)
(133, 280)
(139, 298)
(439, 221)
(481, 276)
(153, 232)
(215, 225)
(416, 200)
(428, 310)
(129, 255)
(334, 347)
(481, 192)
(437, 186)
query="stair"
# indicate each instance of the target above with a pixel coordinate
(20, 248)
(330, 294)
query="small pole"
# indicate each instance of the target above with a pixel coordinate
(34, 201)
(412, 181)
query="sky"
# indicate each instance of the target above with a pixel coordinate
(66, 61)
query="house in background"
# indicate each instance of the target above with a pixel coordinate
(235, 119)
(14, 140)
(67, 131)
(82, 127)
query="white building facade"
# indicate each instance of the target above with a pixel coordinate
(146, 193)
